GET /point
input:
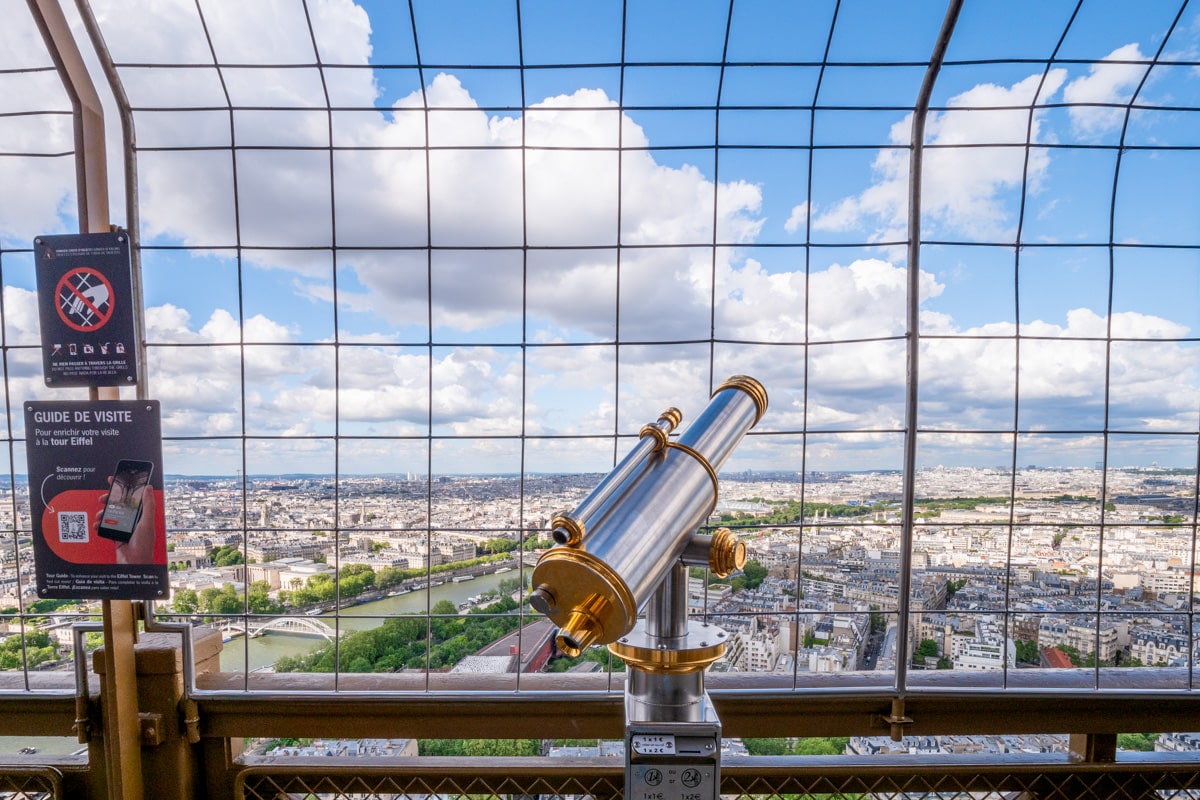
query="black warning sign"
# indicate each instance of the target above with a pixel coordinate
(85, 300)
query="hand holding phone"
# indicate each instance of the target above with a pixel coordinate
(140, 547)
(123, 504)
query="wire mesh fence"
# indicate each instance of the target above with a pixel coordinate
(415, 276)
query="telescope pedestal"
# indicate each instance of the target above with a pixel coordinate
(673, 760)
(672, 733)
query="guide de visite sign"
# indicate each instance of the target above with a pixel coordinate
(95, 496)
(85, 302)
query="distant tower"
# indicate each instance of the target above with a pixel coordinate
(263, 516)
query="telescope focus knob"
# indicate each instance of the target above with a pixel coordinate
(542, 600)
(726, 553)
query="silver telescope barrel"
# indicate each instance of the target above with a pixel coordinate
(570, 528)
(640, 525)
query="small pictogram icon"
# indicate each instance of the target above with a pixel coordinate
(84, 299)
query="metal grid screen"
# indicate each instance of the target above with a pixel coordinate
(817, 778)
(415, 276)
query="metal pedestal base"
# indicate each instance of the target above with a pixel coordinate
(673, 760)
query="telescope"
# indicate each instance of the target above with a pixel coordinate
(627, 547)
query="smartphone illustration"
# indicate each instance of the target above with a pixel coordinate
(123, 506)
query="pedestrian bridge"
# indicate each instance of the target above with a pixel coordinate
(297, 626)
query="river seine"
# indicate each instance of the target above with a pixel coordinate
(246, 655)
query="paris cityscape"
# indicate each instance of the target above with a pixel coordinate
(1054, 579)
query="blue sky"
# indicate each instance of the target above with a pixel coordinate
(574, 155)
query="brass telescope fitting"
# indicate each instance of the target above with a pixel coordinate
(581, 594)
(569, 529)
(644, 653)
(751, 387)
(566, 530)
(661, 429)
(726, 553)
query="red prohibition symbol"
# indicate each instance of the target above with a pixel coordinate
(85, 299)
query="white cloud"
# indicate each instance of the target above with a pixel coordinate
(798, 218)
(41, 186)
(1105, 84)
(962, 189)
(476, 198)
(1154, 383)
(865, 299)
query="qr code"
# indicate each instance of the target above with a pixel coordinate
(72, 526)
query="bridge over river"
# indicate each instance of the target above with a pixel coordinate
(296, 626)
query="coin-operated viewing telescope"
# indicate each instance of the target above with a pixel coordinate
(626, 548)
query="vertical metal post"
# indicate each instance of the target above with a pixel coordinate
(672, 733)
(91, 168)
(122, 729)
(666, 612)
(916, 161)
(1093, 747)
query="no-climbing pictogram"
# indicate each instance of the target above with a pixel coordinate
(84, 299)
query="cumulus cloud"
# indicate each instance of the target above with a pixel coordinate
(478, 185)
(39, 188)
(1108, 82)
(963, 188)
(797, 219)
(1153, 379)
(862, 300)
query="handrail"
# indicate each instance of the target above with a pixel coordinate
(573, 706)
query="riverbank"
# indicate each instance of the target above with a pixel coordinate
(242, 654)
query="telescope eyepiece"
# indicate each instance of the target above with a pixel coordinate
(569, 645)
(583, 627)
(566, 530)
